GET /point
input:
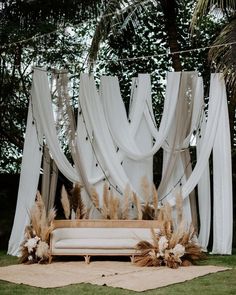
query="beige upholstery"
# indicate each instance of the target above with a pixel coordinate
(104, 240)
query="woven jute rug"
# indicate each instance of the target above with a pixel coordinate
(110, 273)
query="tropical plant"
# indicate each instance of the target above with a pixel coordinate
(221, 56)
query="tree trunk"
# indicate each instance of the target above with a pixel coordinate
(169, 8)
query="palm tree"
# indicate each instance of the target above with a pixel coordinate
(223, 57)
(120, 12)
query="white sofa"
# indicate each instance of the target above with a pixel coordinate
(100, 237)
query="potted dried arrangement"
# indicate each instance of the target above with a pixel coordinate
(173, 245)
(35, 247)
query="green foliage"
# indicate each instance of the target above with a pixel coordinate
(149, 38)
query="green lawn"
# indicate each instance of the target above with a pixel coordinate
(219, 283)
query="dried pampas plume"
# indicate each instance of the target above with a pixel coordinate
(179, 207)
(95, 197)
(65, 202)
(138, 206)
(145, 189)
(113, 206)
(77, 202)
(155, 201)
(125, 208)
(105, 204)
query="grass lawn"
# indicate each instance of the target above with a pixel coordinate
(219, 283)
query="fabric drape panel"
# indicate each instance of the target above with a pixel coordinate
(53, 186)
(30, 169)
(144, 140)
(176, 152)
(112, 103)
(42, 99)
(214, 108)
(46, 176)
(204, 195)
(222, 179)
(90, 104)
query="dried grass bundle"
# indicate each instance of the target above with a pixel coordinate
(77, 202)
(167, 211)
(155, 201)
(95, 197)
(148, 212)
(170, 246)
(147, 259)
(35, 246)
(113, 206)
(145, 189)
(65, 202)
(138, 206)
(126, 203)
(179, 207)
(105, 204)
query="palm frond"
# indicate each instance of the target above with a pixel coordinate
(204, 6)
(224, 57)
(117, 15)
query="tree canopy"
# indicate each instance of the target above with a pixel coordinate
(57, 34)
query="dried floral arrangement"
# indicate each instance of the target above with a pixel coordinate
(72, 203)
(35, 247)
(173, 245)
(111, 207)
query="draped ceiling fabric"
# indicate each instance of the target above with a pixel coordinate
(108, 145)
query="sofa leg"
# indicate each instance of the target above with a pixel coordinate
(87, 259)
(132, 259)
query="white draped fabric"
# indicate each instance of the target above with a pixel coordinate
(204, 194)
(42, 100)
(30, 169)
(222, 178)
(217, 95)
(176, 154)
(123, 135)
(107, 146)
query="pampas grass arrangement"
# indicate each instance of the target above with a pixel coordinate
(35, 247)
(73, 202)
(171, 246)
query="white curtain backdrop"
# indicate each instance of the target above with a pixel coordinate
(30, 169)
(107, 147)
(204, 193)
(222, 178)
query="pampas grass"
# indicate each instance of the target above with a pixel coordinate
(126, 203)
(94, 197)
(73, 201)
(35, 246)
(179, 207)
(171, 246)
(155, 201)
(138, 206)
(77, 202)
(65, 202)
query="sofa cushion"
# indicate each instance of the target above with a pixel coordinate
(96, 243)
(102, 233)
